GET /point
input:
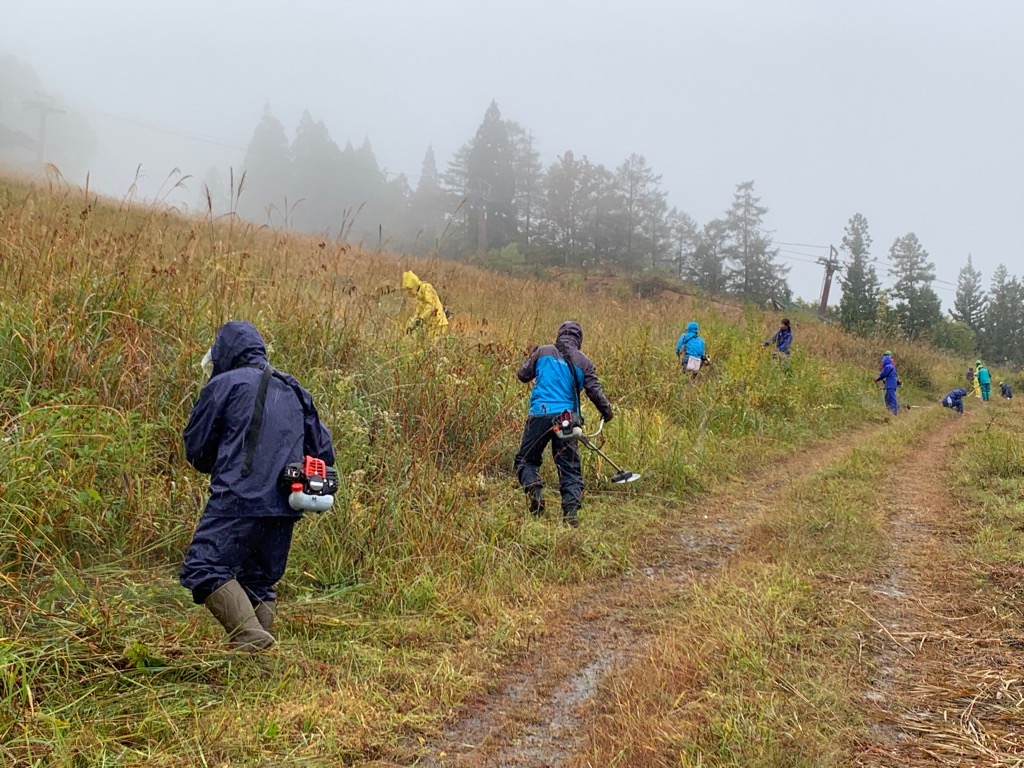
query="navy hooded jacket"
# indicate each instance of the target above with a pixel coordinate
(954, 398)
(215, 438)
(556, 387)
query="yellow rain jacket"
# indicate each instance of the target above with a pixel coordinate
(429, 310)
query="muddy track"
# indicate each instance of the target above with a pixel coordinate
(948, 687)
(534, 718)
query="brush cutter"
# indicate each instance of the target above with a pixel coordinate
(569, 427)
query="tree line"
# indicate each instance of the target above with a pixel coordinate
(496, 201)
(987, 323)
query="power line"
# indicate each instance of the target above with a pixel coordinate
(802, 245)
(216, 141)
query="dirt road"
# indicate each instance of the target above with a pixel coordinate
(535, 716)
(947, 687)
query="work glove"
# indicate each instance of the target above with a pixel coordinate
(607, 416)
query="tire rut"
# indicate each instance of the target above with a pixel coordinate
(930, 625)
(535, 717)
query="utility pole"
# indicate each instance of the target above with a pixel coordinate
(45, 108)
(831, 265)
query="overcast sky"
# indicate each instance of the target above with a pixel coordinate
(907, 112)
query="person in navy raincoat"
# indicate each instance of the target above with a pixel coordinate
(955, 399)
(559, 372)
(1005, 390)
(240, 547)
(887, 375)
(783, 337)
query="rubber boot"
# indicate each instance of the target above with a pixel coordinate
(265, 613)
(535, 495)
(231, 607)
(571, 517)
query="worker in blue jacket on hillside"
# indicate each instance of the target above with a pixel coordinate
(559, 372)
(1005, 390)
(240, 547)
(783, 337)
(887, 375)
(955, 399)
(691, 349)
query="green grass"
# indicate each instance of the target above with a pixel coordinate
(761, 666)
(399, 601)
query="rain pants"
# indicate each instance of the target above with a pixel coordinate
(887, 375)
(557, 384)
(984, 381)
(246, 528)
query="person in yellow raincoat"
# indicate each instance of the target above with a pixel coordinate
(429, 310)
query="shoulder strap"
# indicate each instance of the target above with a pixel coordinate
(257, 418)
(572, 372)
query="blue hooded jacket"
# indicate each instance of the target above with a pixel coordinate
(215, 437)
(887, 373)
(556, 386)
(783, 338)
(690, 343)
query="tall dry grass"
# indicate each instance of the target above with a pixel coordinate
(396, 603)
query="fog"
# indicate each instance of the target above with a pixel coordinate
(909, 113)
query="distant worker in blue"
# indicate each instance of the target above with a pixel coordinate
(691, 349)
(887, 375)
(955, 399)
(783, 337)
(559, 372)
(1004, 390)
(249, 422)
(984, 380)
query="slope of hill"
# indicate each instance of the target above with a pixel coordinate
(427, 576)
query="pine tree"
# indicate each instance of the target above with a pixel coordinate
(491, 183)
(709, 257)
(1003, 338)
(268, 173)
(642, 211)
(427, 207)
(528, 173)
(917, 306)
(858, 306)
(570, 197)
(751, 271)
(457, 238)
(683, 237)
(969, 303)
(316, 191)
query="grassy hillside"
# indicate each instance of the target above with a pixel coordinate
(427, 572)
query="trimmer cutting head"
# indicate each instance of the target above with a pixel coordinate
(625, 476)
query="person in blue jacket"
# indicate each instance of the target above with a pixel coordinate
(559, 372)
(955, 399)
(887, 375)
(691, 349)
(783, 337)
(1005, 390)
(249, 422)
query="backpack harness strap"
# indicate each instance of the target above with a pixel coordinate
(257, 418)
